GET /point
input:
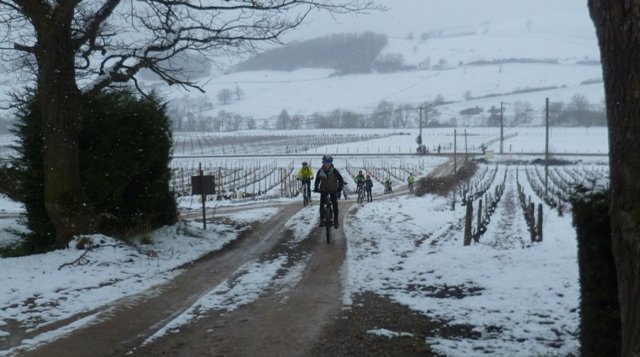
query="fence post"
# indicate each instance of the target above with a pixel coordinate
(539, 226)
(453, 201)
(467, 223)
(479, 225)
(203, 198)
(532, 223)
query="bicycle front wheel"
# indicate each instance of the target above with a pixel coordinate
(328, 221)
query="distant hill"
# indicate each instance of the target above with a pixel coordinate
(346, 53)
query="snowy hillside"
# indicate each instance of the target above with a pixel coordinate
(471, 54)
(527, 54)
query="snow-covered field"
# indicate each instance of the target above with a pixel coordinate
(521, 298)
(513, 290)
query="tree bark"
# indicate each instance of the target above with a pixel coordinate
(617, 25)
(60, 102)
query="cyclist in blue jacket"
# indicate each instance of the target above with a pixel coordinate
(329, 183)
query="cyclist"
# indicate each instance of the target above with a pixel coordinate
(368, 184)
(387, 186)
(329, 183)
(359, 180)
(410, 180)
(305, 174)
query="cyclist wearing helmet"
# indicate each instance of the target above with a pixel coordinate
(368, 185)
(305, 174)
(329, 183)
(359, 179)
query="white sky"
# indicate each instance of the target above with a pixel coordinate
(404, 16)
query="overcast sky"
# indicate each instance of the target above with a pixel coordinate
(404, 16)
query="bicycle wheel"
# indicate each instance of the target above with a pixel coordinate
(305, 194)
(328, 221)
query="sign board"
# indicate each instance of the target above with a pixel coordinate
(209, 185)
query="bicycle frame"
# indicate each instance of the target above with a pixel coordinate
(327, 207)
(306, 192)
(361, 193)
(328, 218)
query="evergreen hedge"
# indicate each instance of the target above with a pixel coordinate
(600, 333)
(125, 148)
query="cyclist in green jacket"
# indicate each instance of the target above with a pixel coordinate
(359, 180)
(305, 174)
(368, 185)
(410, 180)
(387, 186)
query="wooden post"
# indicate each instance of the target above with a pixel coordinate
(467, 223)
(479, 224)
(532, 222)
(203, 198)
(539, 223)
(182, 189)
(466, 150)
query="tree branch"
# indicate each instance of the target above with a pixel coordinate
(92, 29)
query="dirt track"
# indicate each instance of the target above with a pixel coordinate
(282, 322)
(279, 323)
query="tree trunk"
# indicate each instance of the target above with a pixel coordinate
(618, 29)
(60, 103)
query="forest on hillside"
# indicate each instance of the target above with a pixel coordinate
(346, 53)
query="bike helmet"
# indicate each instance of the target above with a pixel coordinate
(327, 159)
(304, 163)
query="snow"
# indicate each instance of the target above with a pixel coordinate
(494, 30)
(518, 296)
(529, 290)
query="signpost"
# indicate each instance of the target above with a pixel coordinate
(203, 185)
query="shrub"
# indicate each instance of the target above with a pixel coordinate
(125, 162)
(125, 146)
(600, 333)
(30, 166)
(443, 185)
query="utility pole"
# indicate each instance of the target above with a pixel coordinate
(420, 135)
(501, 128)
(546, 148)
(455, 163)
(466, 151)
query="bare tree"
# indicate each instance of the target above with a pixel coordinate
(402, 115)
(429, 113)
(296, 121)
(284, 120)
(523, 113)
(225, 96)
(251, 123)
(616, 24)
(382, 116)
(76, 48)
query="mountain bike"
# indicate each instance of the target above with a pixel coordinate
(306, 193)
(361, 193)
(327, 208)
